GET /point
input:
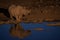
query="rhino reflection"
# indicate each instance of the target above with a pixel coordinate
(18, 31)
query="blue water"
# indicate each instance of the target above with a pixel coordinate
(49, 32)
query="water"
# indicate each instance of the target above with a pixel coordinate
(49, 32)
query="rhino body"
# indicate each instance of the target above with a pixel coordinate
(17, 12)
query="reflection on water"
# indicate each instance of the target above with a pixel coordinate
(48, 33)
(18, 31)
(40, 29)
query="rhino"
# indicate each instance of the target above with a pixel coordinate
(17, 11)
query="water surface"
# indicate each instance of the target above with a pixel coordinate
(48, 32)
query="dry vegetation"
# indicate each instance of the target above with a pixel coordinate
(42, 10)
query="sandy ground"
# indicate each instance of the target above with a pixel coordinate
(54, 24)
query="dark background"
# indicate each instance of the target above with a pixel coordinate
(49, 32)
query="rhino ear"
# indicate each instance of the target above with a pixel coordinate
(12, 6)
(24, 7)
(29, 11)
